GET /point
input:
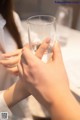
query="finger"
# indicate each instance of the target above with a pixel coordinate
(50, 58)
(28, 57)
(43, 47)
(10, 62)
(56, 51)
(25, 69)
(20, 69)
(13, 70)
(17, 52)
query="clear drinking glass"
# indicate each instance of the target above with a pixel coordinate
(41, 27)
(64, 16)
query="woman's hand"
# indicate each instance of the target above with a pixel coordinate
(19, 89)
(48, 78)
(49, 84)
(10, 61)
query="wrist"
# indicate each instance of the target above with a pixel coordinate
(58, 93)
(15, 93)
(65, 107)
(22, 89)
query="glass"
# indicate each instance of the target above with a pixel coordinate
(64, 17)
(41, 27)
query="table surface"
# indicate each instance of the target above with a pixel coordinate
(71, 57)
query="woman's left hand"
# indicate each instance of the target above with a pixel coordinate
(10, 60)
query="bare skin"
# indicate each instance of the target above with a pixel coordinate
(49, 82)
(18, 90)
(10, 60)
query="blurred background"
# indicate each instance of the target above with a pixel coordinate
(27, 8)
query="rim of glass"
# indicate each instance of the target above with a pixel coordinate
(36, 16)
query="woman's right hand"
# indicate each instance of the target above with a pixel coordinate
(49, 84)
(50, 78)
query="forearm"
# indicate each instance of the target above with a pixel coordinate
(15, 93)
(65, 107)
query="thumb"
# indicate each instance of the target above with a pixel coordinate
(56, 51)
